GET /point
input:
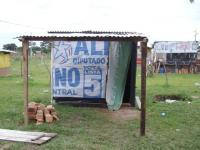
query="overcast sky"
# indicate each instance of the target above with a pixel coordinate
(158, 19)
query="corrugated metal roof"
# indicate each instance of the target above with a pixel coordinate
(85, 34)
(7, 51)
(97, 32)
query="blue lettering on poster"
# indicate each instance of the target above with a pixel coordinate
(79, 68)
(81, 46)
(76, 81)
(60, 77)
(92, 81)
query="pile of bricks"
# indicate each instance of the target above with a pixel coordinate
(41, 113)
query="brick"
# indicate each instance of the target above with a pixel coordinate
(55, 115)
(46, 111)
(48, 118)
(50, 108)
(40, 116)
(41, 106)
(32, 110)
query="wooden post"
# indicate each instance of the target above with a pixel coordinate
(133, 73)
(21, 68)
(25, 77)
(143, 87)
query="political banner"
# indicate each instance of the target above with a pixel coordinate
(175, 47)
(79, 68)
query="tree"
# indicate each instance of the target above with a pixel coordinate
(191, 1)
(45, 46)
(10, 46)
(35, 48)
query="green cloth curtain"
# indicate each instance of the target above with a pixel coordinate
(119, 60)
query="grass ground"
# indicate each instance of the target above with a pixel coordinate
(88, 128)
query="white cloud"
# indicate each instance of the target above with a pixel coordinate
(159, 20)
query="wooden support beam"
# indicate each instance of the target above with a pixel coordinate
(25, 77)
(143, 87)
(133, 73)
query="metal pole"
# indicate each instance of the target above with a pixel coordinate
(25, 77)
(143, 87)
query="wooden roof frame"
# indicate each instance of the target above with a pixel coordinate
(25, 46)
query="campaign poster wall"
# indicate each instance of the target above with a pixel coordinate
(79, 68)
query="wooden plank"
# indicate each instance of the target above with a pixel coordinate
(14, 139)
(17, 139)
(15, 135)
(25, 77)
(44, 139)
(41, 140)
(27, 132)
(27, 137)
(50, 134)
(20, 132)
(30, 138)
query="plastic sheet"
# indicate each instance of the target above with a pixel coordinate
(119, 60)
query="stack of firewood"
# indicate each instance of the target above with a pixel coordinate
(41, 113)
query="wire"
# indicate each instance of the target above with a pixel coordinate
(22, 25)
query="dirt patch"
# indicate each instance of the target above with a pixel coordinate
(76, 119)
(123, 114)
(158, 98)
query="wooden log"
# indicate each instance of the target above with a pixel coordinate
(25, 77)
(143, 87)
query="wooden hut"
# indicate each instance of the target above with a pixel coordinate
(81, 39)
(5, 62)
(175, 56)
